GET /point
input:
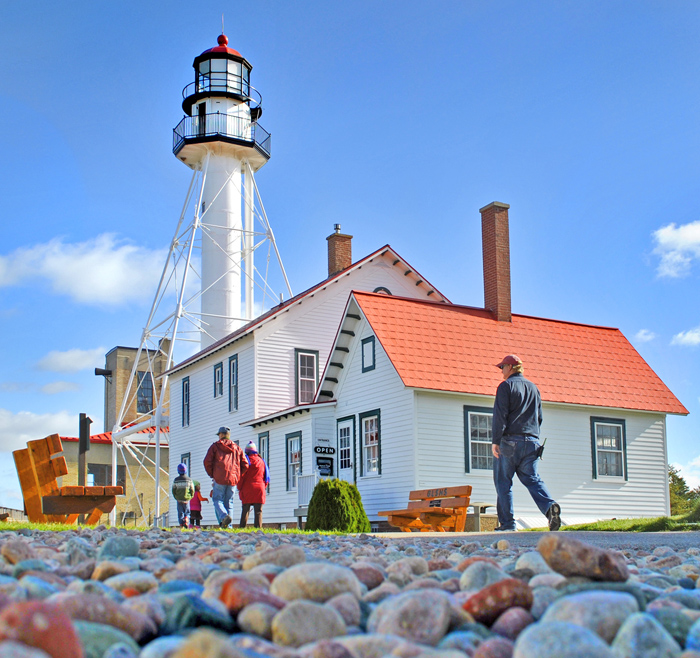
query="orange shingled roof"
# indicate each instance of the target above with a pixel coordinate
(106, 437)
(447, 347)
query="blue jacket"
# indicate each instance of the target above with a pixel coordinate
(517, 410)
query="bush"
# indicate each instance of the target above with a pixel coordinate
(337, 505)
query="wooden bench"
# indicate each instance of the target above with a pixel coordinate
(39, 466)
(433, 510)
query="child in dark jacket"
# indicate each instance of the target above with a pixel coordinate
(183, 490)
(196, 507)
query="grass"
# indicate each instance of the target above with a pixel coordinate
(680, 523)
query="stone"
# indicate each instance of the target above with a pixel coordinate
(97, 639)
(10, 649)
(38, 588)
(420, 616)
(641, 636)
(495, 647)
(467, 562)
(17, 550)
(256, 618)
(571, 557)
(503, 545)
(693, 639)
(550, 579)
(302, 622)
(175, 586)
(120, 650)
(481, 574)
(238, 593)
(601, 612)
(348, 607)
(315, 581)
(533, 561)
(108, 568)
(100, 609)
(512, 622)
(326, 649)
(368, 574)
(38, 624)
(162, 647)
(380, 593)
(141, 581)
(542, 598)
(284, 556)
(206, 643)
(118, 547)
(489, 603)
(417, 566)
(148, 605)
(214, 582)
(558, 639)
(465, 641)
(191, 611)
(675, 622)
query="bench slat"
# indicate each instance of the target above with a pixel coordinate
(440, 492)
(77, 504)
(94, 491)
(439, 502)
(72, 490)
(114, 491)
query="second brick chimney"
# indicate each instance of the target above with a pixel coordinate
(339, 251)
(496, 250)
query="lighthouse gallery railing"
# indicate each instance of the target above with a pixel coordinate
(225, 125)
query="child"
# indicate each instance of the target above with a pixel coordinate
(196, 507)
(183, 490)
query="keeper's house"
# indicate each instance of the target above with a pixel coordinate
(375, 377)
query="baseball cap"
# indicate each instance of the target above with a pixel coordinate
(224, 430)
(510, 360)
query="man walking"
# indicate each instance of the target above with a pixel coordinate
(224, 463)
(517, 416)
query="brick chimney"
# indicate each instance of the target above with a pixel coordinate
(496, 250)
(339, 251)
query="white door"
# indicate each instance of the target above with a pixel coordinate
(345, 451)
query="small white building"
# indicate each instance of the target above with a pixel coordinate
(375, 377)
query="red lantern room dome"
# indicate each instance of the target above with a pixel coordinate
(223, 47)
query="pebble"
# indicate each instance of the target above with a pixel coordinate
(220, 595)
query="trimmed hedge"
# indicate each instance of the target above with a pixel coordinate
(337, 505)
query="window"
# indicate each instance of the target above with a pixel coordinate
(185, 401)
(144, 393)
(478, 434)
(218, 380)
(264, 450)
(293, 459)
(382, 290)
(306, 375)
(609, 448)
(370, 442)
(345, 447)
(185, 459)
(233, 383)
(368, 354)
(100, 475)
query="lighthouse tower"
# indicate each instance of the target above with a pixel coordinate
(221, 137)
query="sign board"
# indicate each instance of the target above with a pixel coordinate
(325, 466)
(324, 450)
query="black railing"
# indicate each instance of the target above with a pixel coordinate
(229, 83)
(224, 125)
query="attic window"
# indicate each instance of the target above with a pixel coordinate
(368, 354)
(382, 290)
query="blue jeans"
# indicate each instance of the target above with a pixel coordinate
(182, 511)
(221, 498)
(518, 456)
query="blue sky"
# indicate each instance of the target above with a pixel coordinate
(398, 122)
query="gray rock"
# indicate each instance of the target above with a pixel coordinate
(119, 546)
(163, 647)
(139, 580)
(533, 561)
(315, 581)
(302, 622)
(256, 618)
(10, 649)
(601, 612)
(283, 556)
(559, 639)
(98, 638)
(641, 636)
(419, 615)
(479, 575)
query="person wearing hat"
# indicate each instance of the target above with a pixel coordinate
(224, 463)
(252, 485)
(517, 416)
(183, 490)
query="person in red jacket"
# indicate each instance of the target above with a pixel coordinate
(224, 464)
(252, 485)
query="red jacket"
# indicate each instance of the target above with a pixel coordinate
(225, 461)
(251, 486)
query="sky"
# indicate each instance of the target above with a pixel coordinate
(397, 120)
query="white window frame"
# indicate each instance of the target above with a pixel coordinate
(233, 383)
(371, 465)
(186, 402)
(597, 423)
(298, 355)
(293, 465)
(473, 415)
(219, 380)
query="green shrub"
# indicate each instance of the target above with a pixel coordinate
(337, 505)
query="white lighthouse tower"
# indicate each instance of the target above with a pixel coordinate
(220, 135)
(219, 237)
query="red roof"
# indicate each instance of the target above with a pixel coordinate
(447, 347)
(223, 47)
(106, 437)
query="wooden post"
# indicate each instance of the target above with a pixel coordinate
(83, 447)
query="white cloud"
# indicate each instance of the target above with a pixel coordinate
(690, 472)
(18, 428)
(690, 337)
(101, 272)
(72, 360)
(59, 387)
(677, 246)
(15, 387)
(644, 336)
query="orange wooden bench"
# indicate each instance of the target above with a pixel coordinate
(39, 466)
(433, 510)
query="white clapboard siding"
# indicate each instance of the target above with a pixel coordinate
(381, 389)
(313, 326)
(567, 465)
